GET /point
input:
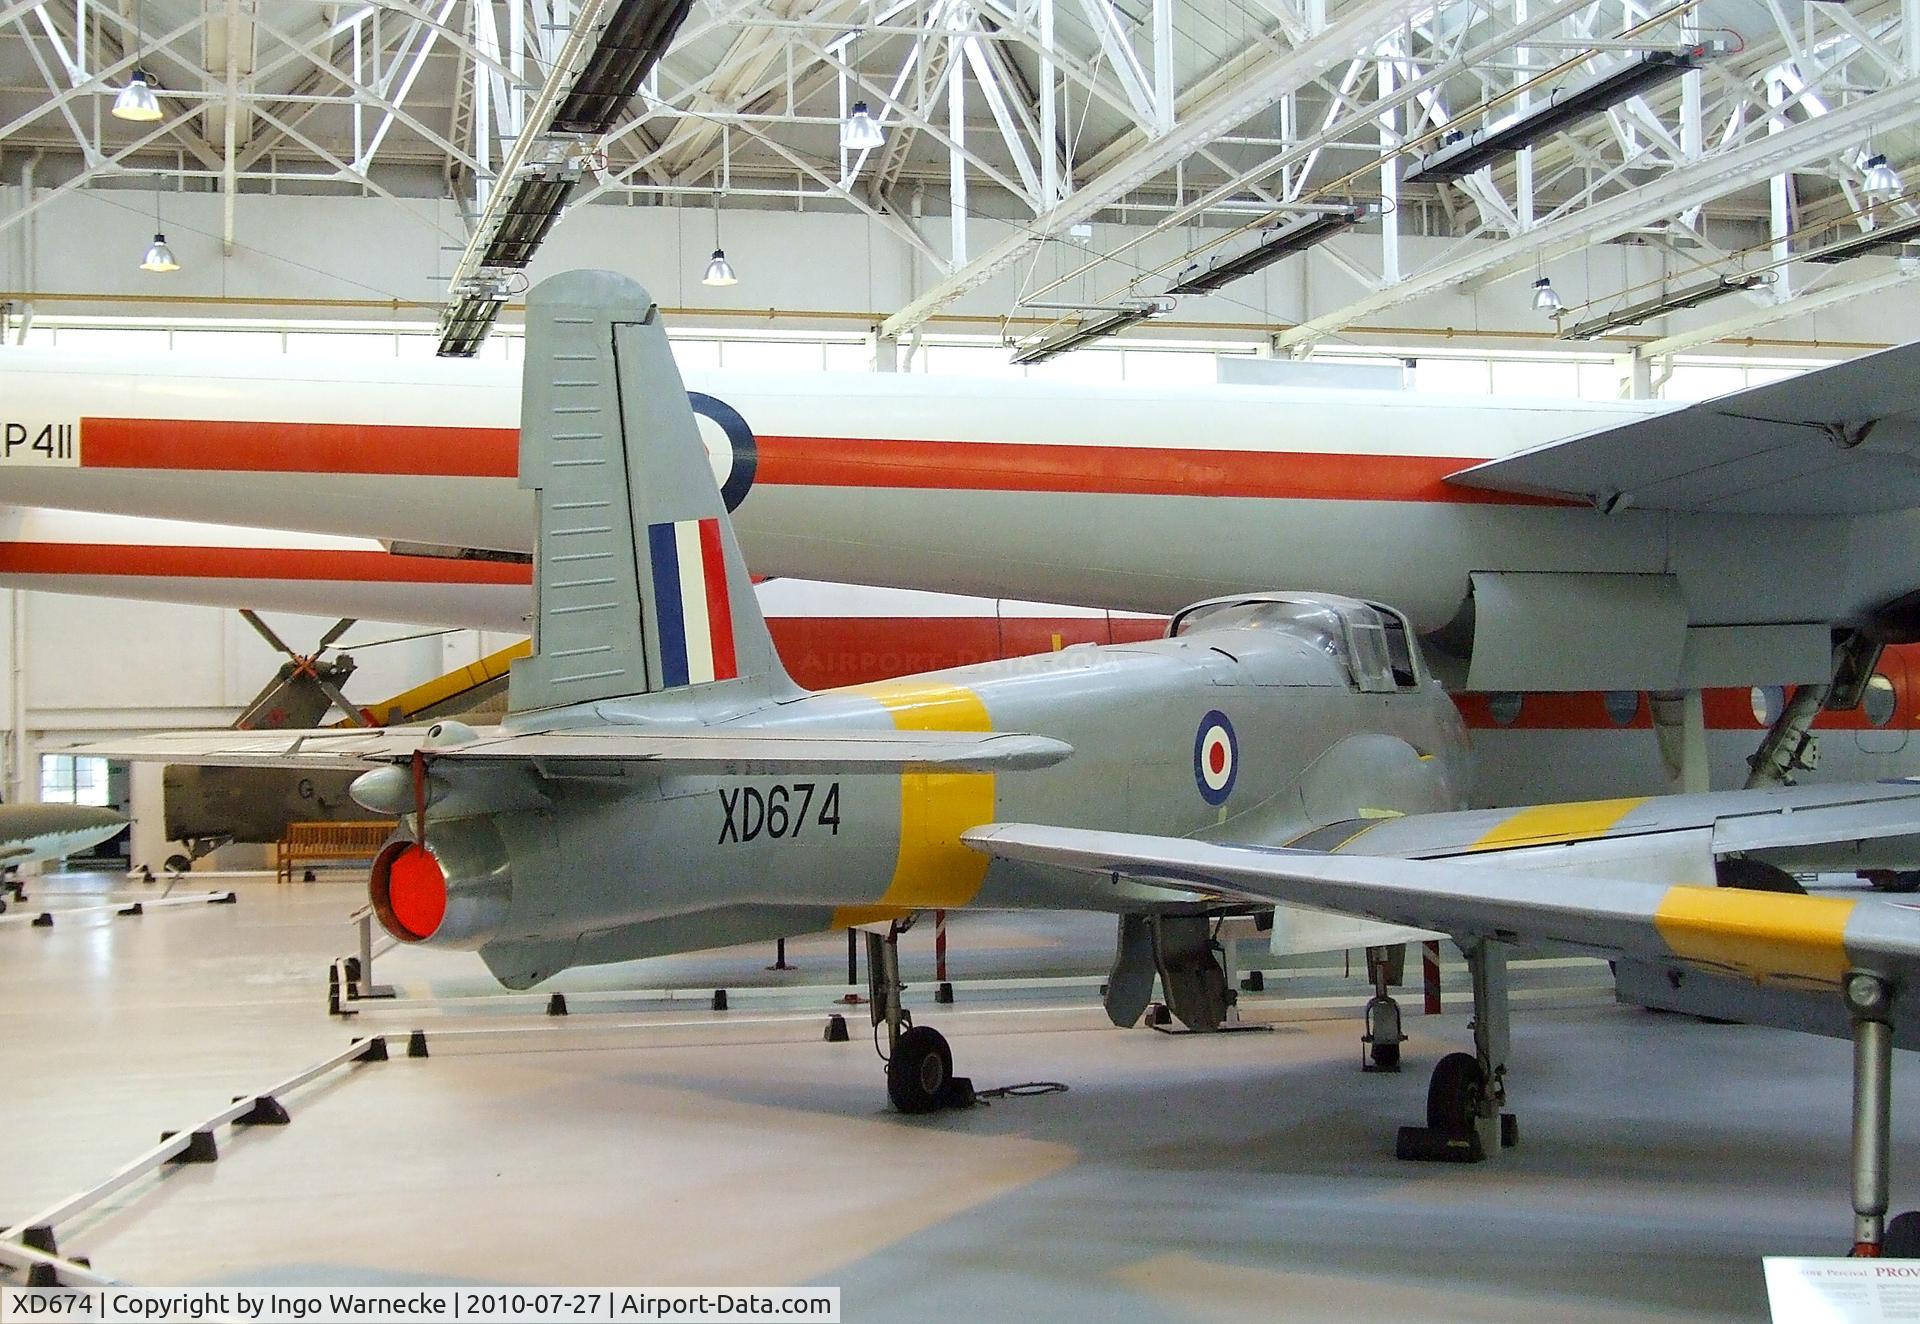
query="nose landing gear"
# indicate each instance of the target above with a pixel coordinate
(1468, 1091)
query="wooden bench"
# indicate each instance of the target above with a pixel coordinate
(308, 844)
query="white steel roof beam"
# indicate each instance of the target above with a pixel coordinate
(1344, 37)
(1573, 227)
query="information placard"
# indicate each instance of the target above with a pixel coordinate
(1839, 1291)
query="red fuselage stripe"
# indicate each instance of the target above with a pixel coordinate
(286, 563)
(461, 452)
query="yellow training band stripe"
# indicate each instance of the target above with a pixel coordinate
(1544, 825)
(1769, 936)
(934, 870)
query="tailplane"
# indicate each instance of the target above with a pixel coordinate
(639, 584)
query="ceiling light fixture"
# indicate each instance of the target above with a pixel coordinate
(136, 101)
(159, 257)
(860, 131)
(1546, 299)
(719, 270)
(1883, 181)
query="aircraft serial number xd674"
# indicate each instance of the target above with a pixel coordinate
(780, 811)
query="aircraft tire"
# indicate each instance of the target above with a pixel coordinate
(1901, 1240)
(920, 1072)
(1454, 1094)
(1385, 1056)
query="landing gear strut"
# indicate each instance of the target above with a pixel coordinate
(1869, 1001)
(1383, 1038)
(1466, 1096)
(920, 1075)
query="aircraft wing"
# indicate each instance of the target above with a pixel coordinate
(1804, 827)
(1787, 940)
(1838, 441)
(711, 751)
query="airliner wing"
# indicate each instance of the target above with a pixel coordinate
(1838, 441)
(714, 751)
(1803, 942)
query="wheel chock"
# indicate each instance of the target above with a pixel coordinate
(1255, 982)
(1509, 1130)
(200, 1148)
(43, 921)
(417, 1044)
(266, 1111)
(719, 999)
(1423, 1144)
(557, 1005)
(42, 1275)
(943, 994)
(1158, 1015)
(836, 1029)
(375, 1051)
(135, 909)
(40, 1237)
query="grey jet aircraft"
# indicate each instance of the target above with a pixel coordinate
(660, 784)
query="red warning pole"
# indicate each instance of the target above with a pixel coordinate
(1430, 975)
(940, 946)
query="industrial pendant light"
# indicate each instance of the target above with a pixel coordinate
(860, 131)
(1546, 299)
(159, 257)
(136, 101)
(719, 270)
(1883, 181)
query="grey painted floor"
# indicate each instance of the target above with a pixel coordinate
(1228, 1177)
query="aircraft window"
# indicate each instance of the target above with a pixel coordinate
(1623, 706)
(1767, 701)
(1370, 666)
(1505, 707)
(1400, 654)
(1312, 621)
(1879, 700)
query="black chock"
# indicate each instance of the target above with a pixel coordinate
(135, 909)
(1255, 982)
(146, 874)
(836, 1029)
(350, 970)
(417, 1044)
(719, 999)
(40, 1237)
(224, 899)
(42, 1275)
(44, 920)
(266, 1111)
(1423, 1144)
(333, 990)
(200, 1148)
(376, 1050)
(943, 994)
(1158, 1014)
(557, 1005)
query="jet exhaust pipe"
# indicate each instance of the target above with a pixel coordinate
(455, 891)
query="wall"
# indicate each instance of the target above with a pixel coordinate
(366, 258)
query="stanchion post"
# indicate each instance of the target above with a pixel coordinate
(1430, 976)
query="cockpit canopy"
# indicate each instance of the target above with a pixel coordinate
(1371, 641)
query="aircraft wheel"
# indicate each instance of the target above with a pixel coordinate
(920, 1071)
(1901, 1240)
(1455, 1093)
(1385, 1056)
(178, 864)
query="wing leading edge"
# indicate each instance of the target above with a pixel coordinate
(1775, 938)
(1837, 441)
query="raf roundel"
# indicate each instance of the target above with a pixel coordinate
(1216, 758)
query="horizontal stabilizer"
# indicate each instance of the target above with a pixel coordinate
(709, 751)
(1838, 441)
(1790, 940)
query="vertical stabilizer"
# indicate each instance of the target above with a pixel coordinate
(639, 584)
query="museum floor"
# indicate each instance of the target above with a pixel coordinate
(1195, 1178)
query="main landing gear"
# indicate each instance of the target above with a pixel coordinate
(1468, 1092)
(920, 1075)
(1382, 1040)
(1869, 1002)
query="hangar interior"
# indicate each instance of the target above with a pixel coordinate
(1507, 201)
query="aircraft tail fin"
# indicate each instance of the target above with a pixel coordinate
(639, 584)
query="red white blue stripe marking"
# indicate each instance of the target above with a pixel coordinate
(690, 594)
